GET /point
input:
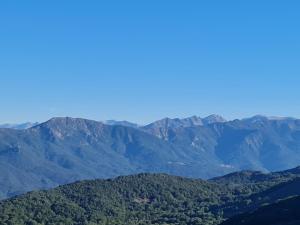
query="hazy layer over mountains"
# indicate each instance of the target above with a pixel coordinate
(63, 150)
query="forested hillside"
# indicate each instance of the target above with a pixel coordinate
(147, 199)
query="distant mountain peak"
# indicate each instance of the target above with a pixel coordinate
(281, 118)
(71, 120)
(167, 122)
(21, 126)
(61, 127)
(214, 118)
(188, 121)
(194, 120)
(256, 119)
(64, 121)
(121, 123)
(162, 128)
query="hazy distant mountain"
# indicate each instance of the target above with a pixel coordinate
(20, 126)
(63, 150)
(121, 123)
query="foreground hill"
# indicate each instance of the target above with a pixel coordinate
(144, 199)
(64, 150)
(139, 199)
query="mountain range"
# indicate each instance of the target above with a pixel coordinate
(64, 150)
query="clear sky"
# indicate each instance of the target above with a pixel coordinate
(144, 60)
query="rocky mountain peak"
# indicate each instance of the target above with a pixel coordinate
(61, 127)
(214, 118)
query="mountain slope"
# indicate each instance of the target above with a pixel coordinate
(256, 180)
(286, 212)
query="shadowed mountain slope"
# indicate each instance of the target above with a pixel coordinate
(285, 212)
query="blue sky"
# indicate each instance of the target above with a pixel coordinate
(144, 60)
